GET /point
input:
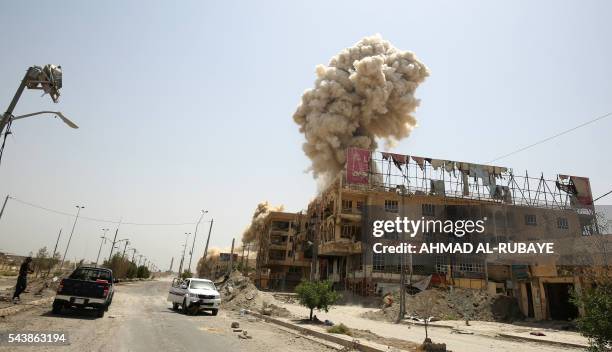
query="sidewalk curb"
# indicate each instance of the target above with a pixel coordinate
(8, 311)
(505, 336)
(337, 339)
(548, 342)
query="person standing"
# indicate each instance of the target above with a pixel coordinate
(22, 279)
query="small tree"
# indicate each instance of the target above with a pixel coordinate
(41, 261)
(143, 272)
(186, 274)
(424, 310)
(132, 270)
(596, 324)
(316, 294)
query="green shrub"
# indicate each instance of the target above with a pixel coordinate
(340, 329)
(596, 323)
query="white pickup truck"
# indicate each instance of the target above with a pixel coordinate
(193, 295)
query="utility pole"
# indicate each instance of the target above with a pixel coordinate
(54, 249)
(171, 264)
(79, 207)
(231, 263)
(195, 234)
(102, 241)
(124, 248)
(114, 241)
(208, 239)
(4, 205)
(133, 253)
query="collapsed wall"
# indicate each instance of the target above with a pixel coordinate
(257, 221)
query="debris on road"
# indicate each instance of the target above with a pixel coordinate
(245, 335)
(429, 346)
(239, 293)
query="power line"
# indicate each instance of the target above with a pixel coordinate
(40, 207)
(552, 137)
(603, 195)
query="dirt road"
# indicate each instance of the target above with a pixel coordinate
(140, 319)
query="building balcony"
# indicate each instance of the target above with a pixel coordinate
(287, 262)
(340, 248)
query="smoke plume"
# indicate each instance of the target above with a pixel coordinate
(364, 93)
(257, 221)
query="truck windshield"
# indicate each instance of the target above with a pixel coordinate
(90, 274)
(202, 285)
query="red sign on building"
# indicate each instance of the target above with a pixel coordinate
(357, 166)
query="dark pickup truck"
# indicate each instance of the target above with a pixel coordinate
(86, 287)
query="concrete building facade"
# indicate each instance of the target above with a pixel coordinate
(281, 263)
(333, 239)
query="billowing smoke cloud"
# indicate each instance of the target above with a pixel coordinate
(259, 216)
(366, 92)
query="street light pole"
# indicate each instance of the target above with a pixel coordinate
(101, 243)
(7, 115)
(47, 78)
(195, 234)
(79, 207)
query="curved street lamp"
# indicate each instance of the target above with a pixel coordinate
(57, 113)
(195, 234)
(48, 79)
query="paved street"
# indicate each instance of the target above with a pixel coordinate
(140, 319)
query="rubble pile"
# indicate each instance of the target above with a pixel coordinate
(238, 292)
(458, 305)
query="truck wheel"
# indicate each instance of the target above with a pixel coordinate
(100, 313)
(175, 306)
(57, 307)
(215, 311)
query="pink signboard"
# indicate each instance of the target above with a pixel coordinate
(583, 190)
(357, 165)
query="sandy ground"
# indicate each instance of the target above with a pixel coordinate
(140, 319)
(351, 316)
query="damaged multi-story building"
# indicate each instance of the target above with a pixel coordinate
(337, 228)
(281, 262)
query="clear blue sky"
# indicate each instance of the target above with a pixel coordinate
(184, 106)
